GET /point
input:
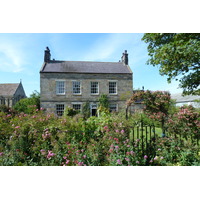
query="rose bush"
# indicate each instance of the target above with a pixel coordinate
(41, 139)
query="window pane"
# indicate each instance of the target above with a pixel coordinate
(77, 107)
(76, 87)
(60, 109)
(112, 88)
(60, 87)
(113, 107)
(94, 87)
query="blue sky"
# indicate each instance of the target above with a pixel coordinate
(22, 55)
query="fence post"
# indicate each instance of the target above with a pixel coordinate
(133, 133)
(146, 139)
(142, 138)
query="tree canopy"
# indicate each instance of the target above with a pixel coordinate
(178, 57)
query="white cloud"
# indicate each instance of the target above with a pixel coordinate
(104, 48)
(11, 59)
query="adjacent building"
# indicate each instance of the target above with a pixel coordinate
(10, 93)
(73, 83)
(186, 100)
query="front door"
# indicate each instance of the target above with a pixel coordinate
(93, 110)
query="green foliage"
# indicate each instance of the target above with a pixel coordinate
(86, 110)
(70, 112)
(185, 123)
(6, 109)
(178, 57)
(28, 105)
(103, 104)
(157, 104)
(103, 101)
(42, 139)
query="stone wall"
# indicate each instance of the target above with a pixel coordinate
(48, 89)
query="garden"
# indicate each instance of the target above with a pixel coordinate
(160, 135)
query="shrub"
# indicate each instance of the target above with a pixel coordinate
(29, 105)
(185, 123)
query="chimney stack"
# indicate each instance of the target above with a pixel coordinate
(47, 55)
(124, 57)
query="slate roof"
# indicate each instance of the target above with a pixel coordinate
(8, 89)
(86, 67)
(189, 98)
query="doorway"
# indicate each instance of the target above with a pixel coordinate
(93, 110)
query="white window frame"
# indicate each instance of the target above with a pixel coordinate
(73, 82)
(116, 88)
(77, 103)
(94, 88)
(116, 107)
(57, 87)
(60, 104)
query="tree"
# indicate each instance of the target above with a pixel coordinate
(28, 105)
(178, 57)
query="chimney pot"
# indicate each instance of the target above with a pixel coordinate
(47, 55)
(125, 57)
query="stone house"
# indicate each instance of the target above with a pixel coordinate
(73, 83)
(11, 93)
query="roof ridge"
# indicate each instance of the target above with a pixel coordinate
(9, 83)
(55, 61)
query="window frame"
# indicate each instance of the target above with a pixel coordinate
(77, 103)
(74, 88)
(116, 107)
(57, 87)
(116, 87)
(94, 88)
(60, 104)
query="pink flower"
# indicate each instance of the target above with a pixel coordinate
(43, 151)
(116, 147)
(156, 158)
(84, 156)
(1, 153)
(119, 162)
(50, 154)
(67, 161)
(122, 131)
(80, 163)
(145, 157)
(17, 127)
(127, 159)
(110, 150)
(117, 131)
